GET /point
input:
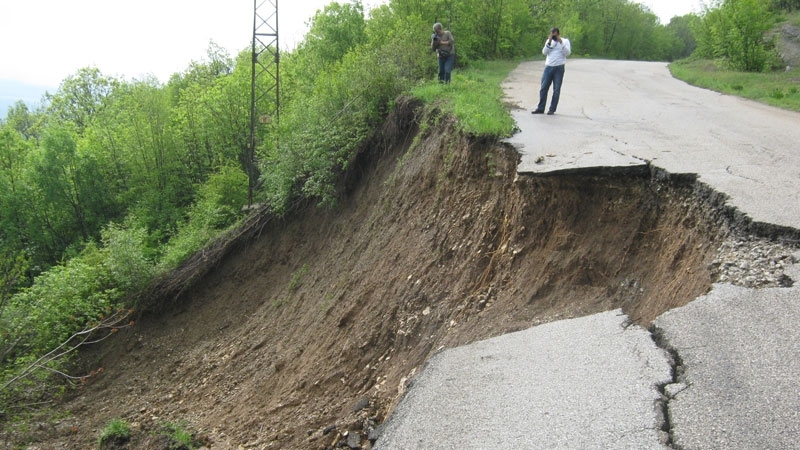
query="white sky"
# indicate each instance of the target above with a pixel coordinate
(44, 41)
(667, 9)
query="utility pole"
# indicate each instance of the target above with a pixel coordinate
(264, 79)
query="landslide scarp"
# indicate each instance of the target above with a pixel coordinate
(304, 331)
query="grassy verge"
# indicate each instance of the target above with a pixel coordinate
(781, 89)
(474, 97)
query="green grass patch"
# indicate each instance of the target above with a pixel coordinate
(792, 18)
(117, 432)
(474, 97)
(780, 89)
(297, 278)
(180, 438)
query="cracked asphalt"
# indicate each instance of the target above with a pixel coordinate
(741, 362)
(727, 375)
(622, 115)
(572, 384)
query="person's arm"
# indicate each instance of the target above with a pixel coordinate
(567, 47)
(547, 47)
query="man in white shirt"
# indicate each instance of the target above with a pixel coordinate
(557, 49)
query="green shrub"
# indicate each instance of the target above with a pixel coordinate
(117, 432)
(733, 32)
(320, 133)
(77, 295)
(218, 206)
(179, 437)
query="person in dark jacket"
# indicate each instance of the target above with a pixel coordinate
(443, 44)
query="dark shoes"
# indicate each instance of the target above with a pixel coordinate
(537, 111)
(550, 113)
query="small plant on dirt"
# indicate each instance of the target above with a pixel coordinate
(116, 433)
(491, 164)
(297, 277)
(179, 437)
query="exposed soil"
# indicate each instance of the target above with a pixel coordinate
(307, 336)
(789, 44)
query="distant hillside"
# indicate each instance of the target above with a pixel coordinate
(789, 42)
(12, 91)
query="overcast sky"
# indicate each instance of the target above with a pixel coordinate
(667, 9)
(44, 41)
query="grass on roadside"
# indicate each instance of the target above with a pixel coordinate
(780, 89)
(474, 97)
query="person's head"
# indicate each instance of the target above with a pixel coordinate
(554, 32)
(437, 28)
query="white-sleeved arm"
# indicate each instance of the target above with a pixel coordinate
(546, 50)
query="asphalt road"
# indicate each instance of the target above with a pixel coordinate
(618, 114)
(594, 382)
(575, 384)
(741, 357)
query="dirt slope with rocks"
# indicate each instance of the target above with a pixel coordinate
(306, 335)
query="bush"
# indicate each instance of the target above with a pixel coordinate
(320, 133)
(734, 32)
(78, 295)
(179, 437)
(218, 206)
(117, 432)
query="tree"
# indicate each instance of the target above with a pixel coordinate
(23, 120)
(685, 43)
(734, 32)
(334, 31)
(80, 97)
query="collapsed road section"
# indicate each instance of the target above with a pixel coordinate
(582, 383)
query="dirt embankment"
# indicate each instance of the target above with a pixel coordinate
(306, 336)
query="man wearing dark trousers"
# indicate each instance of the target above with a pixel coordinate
(443, 44)
(557, 49)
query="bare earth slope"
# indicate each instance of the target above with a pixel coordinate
(306, 336)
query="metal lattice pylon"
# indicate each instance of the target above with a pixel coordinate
(265, 77)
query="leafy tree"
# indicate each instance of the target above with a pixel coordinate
(219, 204)
(80, 97)
(24, 121)
(734, 32)
(398, 37)
(336, 30)
(684, 42)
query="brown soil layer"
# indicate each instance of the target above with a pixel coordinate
(322, 319)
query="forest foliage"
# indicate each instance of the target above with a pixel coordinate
(114, 181)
